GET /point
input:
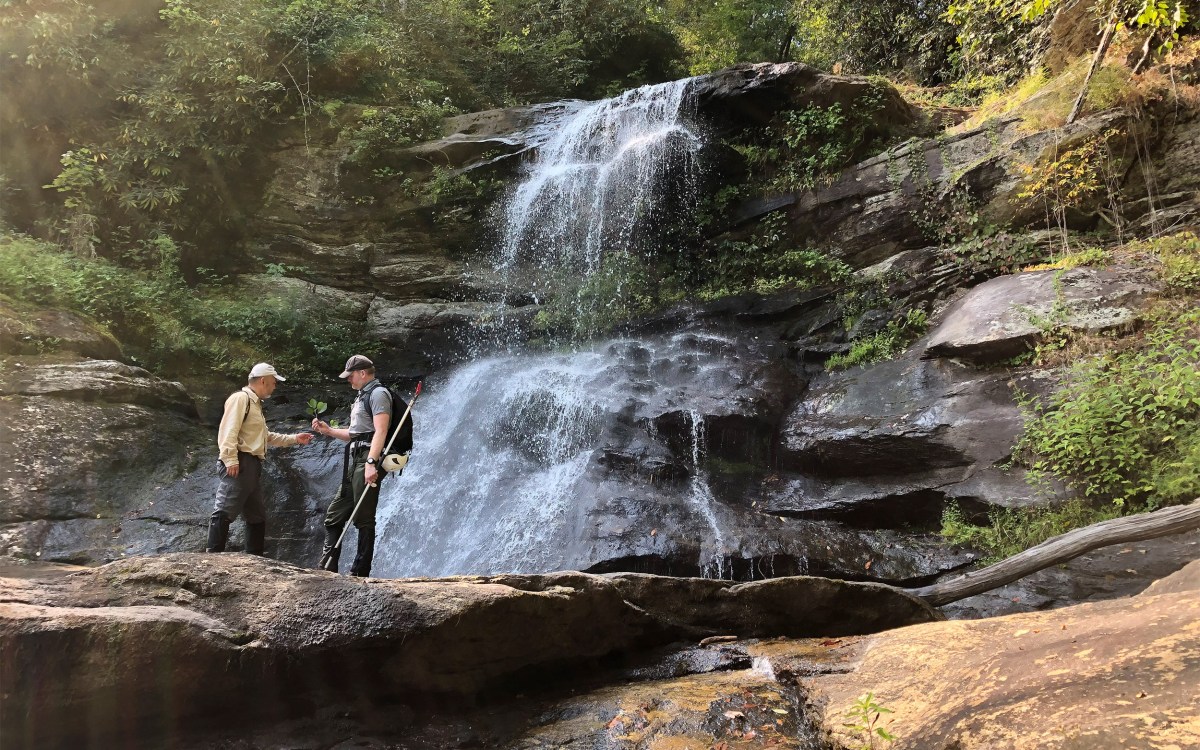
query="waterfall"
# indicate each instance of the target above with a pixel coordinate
(504, 473)
(493, 477)
(597, 184)
(504, 468)
(704, 502)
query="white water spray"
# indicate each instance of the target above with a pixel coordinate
(704, 502)
(598, 182)
(499, 478)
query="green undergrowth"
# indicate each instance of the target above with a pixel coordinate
(171, 327)
(615, 293)
(803, 148)
(1122, 432)
(885, 344)
(1013, 530)
(1124, 428)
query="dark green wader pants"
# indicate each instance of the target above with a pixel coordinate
(338, 514)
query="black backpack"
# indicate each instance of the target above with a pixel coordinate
(402, 442)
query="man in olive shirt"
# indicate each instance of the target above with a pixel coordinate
(370, 417)
(242, 440)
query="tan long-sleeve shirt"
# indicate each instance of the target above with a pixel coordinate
(244, 428)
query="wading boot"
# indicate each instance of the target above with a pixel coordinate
(218, 532)
(329, 553)
(256, 538)
(366, 550)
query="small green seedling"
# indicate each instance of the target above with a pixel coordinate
(862, 719)
(316, 408)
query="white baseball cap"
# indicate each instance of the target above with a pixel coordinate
(262, 368)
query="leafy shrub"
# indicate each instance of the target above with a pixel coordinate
(1110, 86)
(1071, 178)
(883, 345)
(615, 293)
(1092, 256)
(741, 267)
(1120, 428)
(1180, 258)
(382, 128)
(1013, 530)
(174, 328)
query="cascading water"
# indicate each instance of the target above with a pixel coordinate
(611, 176)
(505, 444)
(504, 476)
(703, 500)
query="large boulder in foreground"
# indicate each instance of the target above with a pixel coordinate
(1116, 674)
(1122, 674)
(146, 647)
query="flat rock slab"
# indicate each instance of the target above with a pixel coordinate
(1006, 316)
(145, 647)
(1115, 674)
(105, 381)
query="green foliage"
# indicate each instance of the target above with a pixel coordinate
(820, 143)
(718, 34)
(885, 344)
(1180, 258)
(1013, 530)
(862, 719)
(1121, 426)
(177, 107)
(905, 37)
(1096, 257)
(764, 262)
(1110, 86)
(1068, 179)
(170, 326)
(955, 221)
(381, 128)
(803, 148)
(315, 408)
(618, 291)
(995, 35)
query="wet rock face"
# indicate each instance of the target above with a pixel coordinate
(750, 94)
(891, 443)
(873, 210)
(87, 444)
(181, 637)
(104, 460)
(32, 331)
(658, 454)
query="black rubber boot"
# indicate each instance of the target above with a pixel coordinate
(329, 553)
(218, 532)
(366, 550)
(256, 538)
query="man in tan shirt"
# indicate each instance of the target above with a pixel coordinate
(242, 441)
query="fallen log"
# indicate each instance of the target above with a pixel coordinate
(1163, 522)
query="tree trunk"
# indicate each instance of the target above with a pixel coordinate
(786, 46)
(1105, 40)
(1163, 522)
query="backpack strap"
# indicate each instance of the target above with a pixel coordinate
(367, 395)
